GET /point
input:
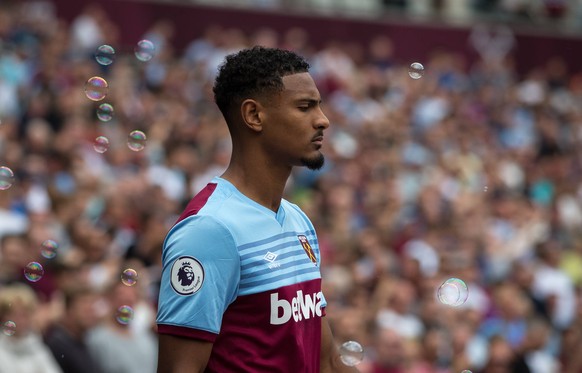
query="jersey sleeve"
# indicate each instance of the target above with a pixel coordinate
(200, 278)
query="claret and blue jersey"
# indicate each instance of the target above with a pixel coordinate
(245, 278)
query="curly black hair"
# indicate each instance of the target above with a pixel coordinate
(253, 72)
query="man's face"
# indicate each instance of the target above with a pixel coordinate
(84, 311)
(294, 123)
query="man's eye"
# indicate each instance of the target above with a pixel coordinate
(303, 108)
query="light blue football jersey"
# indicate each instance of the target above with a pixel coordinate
(245, 278)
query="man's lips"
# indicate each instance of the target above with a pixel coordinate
(318, 140)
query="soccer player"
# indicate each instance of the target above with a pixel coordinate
(241, 285)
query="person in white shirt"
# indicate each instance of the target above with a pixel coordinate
(22, 349)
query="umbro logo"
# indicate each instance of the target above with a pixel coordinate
(271, 257)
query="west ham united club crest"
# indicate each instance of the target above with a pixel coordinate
(307, 247)
(187, 275)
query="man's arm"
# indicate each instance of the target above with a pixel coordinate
(330, 359)
(182, 355)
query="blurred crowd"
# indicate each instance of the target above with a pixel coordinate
(551, 13)
(470, 172)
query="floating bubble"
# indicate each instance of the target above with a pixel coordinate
(6, 178)
(9, 328)
(101, 144)
(453, 292)
(129, 277)
(33, 271)
(136, 140)
(124, 315)
(466, 371)
(351, 353)
(416, 70)
(96, 88)
(144, 50)
(105, 112)
(105, 55)
(48, 249)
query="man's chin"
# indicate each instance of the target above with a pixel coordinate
(313, 163)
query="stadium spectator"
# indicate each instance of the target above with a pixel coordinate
(124, 340)
(66, 337)
(21, 346)
(16, 254)
(553, 287)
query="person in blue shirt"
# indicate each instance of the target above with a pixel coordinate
(241, 283)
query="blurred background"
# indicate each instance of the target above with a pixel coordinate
(452, 154)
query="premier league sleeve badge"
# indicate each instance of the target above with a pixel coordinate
(187, 275)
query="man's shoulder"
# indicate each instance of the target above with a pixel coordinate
(218, 200)
(57, 334)
(292, 207)
(293, 210)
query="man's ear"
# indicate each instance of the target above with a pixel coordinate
(252, 114)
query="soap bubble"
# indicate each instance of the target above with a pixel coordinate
(48, 249)
(351, 353)
(136, 140)
(105, 55)
(416, 70)
(96, 88)
(6, 178)
(453, 292)
(9, 328)
(124, 314)
(101, 144)
(144, 50)
(129, 277)
(105, 112)
(33, 271)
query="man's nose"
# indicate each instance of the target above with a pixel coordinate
(322, 122)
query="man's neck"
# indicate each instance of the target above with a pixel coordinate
(261, 184)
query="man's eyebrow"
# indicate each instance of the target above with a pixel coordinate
(311, 101)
